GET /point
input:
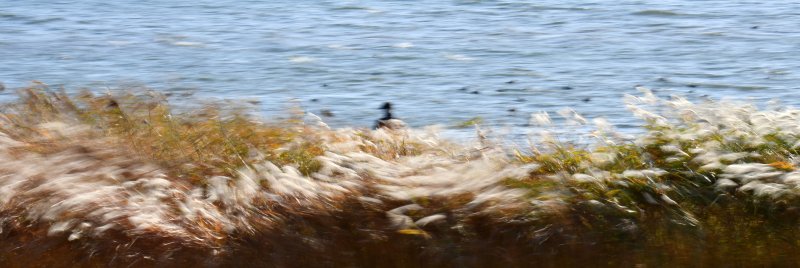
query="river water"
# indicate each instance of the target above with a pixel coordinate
(440, 62)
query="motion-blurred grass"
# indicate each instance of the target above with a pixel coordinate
(702, 185)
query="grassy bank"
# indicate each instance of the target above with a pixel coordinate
(126, 179)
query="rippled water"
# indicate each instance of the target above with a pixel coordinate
(441, 62)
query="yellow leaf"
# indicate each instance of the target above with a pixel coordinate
(414, 232)
(782, 165)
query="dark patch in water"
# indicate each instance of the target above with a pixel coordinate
(10, 16)
(349, 8)
(43, 21)
(665, 13)
(513, 89)
(726, 86)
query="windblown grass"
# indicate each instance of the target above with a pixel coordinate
(127, 180)
(192, 145)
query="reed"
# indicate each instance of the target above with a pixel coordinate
(128, 180)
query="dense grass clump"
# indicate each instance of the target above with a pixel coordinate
(191, 145)
(128, 180)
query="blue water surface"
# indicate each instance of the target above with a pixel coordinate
(440, 62)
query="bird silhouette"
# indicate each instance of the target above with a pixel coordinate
(388, 121)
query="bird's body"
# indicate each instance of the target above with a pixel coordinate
(388, 121)
(394, 124)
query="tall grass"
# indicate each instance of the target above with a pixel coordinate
(190, 145)
(128, 180)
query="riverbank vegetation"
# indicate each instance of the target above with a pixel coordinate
(97, 180)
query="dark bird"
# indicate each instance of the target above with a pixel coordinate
(112, 104)
(388, 121)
